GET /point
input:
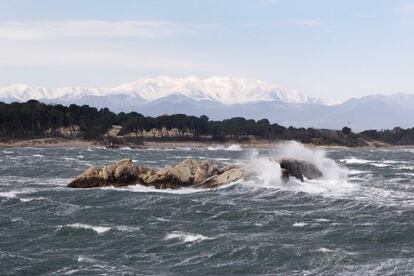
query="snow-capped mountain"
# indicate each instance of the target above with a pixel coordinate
(223, 90)
(223, 97)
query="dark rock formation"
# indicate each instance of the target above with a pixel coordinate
(299, 169)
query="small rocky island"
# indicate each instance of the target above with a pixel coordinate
(188, 173)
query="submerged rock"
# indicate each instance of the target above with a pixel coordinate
(203, 174)
(299, 169)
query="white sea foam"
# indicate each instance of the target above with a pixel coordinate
(127, 228)
(354, 160)
(8, 151)
(411, 168)
(38, 155)
(97, 229)
(11, 194)
(353, 172)
(299, 224)
(394, 162)
(379, 165)
(268, 171)
(232, 147)
(14, 193)
(186, 237)
(145, 189)
(325, 250)
(85, 259)
(69, 158)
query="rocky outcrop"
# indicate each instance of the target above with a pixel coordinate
(202, 174)
(188, 173)
(299, 169)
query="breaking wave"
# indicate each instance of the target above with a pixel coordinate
(186, 237)
(268, 171)
(232, 147)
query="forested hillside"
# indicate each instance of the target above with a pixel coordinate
(34, 119)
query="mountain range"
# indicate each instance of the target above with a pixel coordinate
(224, 97)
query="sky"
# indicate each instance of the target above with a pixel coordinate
(330, 49)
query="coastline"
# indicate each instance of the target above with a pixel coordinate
(77, 143)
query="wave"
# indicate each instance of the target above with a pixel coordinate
(186, 237)
(97, 229)
(299, 224)
(354, 160)
(325, 250)
(15, 193)
(379, 165)
(144, 189)
(102, 229)
(11, 194)
(86, 259)
(268, 172)
(411, 168)
(232, 147)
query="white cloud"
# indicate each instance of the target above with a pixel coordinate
(41, 30)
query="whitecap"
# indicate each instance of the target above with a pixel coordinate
(325, 250)
(97, 229)
(268, 172)
(28, 199)
(85, 259)
(354, 160)
(299, 224)
(394, 162)
(186, 237)
(69, 158)
(14, 193)
(127, 228)
(145, 189)
(322, 220)
(411, 168)
(38, 155)
(379, 165)
(11, 194)
(232, 147)
(8, 151)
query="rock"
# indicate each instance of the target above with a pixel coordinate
(226, 176)
(299, 169)
(189, 172)
(121, 173)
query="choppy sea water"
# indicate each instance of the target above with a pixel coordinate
(357, 221)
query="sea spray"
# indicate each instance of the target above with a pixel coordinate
(268, 172)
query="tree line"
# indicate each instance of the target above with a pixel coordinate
(34, 119)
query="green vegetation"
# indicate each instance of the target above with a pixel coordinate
(34, 120)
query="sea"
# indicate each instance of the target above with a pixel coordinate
(357, 220)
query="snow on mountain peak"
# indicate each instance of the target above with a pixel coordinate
(225, 90)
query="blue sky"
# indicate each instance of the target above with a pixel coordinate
(333, 49)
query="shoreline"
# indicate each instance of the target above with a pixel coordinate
(82, 144)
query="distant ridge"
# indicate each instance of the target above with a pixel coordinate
(223, 90)
(225, 97)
